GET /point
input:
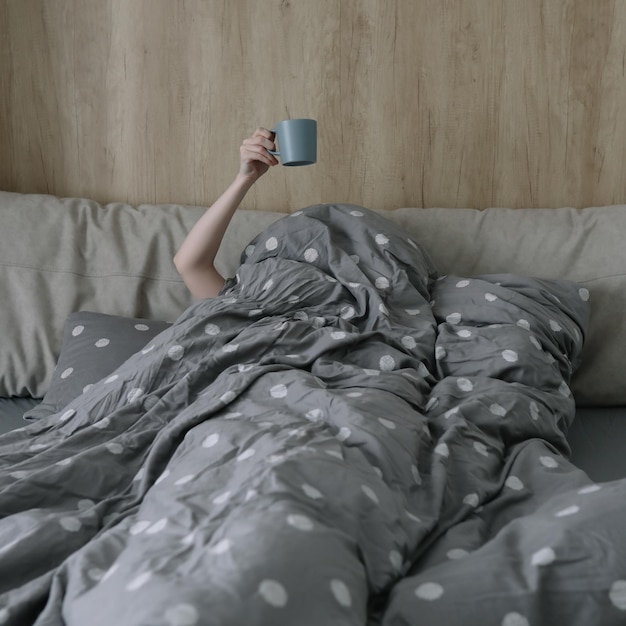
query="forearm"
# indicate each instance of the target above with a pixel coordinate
(203, 241)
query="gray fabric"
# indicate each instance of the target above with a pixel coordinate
(342, 437)
(597, 439)
(94, 344)
(12, 411)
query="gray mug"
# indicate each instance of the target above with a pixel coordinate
(297, 141)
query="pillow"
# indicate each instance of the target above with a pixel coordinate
(94, 344)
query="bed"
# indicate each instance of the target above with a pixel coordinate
(379, 406)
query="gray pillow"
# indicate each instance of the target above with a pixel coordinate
(94, 344)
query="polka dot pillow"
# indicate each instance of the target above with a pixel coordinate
(94, 344)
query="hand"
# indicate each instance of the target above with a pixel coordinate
(255, 159)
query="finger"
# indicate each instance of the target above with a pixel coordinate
(268, 144)
(263, 132)
(257, 153)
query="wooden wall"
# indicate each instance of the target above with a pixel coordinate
(454, 103)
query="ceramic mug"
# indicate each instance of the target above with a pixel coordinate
(297, 141)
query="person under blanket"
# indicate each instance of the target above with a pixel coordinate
(195, 259)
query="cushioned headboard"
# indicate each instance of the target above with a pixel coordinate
(63, 255)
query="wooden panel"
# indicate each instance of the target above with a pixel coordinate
(468, 103)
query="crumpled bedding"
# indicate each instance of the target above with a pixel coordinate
(343, 436)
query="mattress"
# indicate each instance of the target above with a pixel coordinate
(596, 437)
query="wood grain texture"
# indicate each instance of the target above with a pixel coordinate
(451, 103)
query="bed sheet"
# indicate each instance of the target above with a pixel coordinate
(350, 443)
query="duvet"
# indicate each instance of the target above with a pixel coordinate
(343, 436)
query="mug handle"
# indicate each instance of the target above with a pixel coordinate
(274, 152)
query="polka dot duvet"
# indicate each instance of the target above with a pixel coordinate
(343, 436)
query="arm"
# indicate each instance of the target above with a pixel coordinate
(194, 260)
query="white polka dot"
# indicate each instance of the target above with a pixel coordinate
(413, 311)
(387, 363)
(356, 213)
(314, 415)
(456, 553)
(545, 556)
(464, 384)
(584, 294)
(102, 343)
(354, 394)
(381, 282)
(535, 342)
(442, 450)
(268, 285)
(525, 324)
(344, 433)
(222, 498)
(311, 255)
(183, 480)
(249, 250)
(139, 581)
(395, 558)
(481, 448)
(408, 342)
(566, 512)
(514, 619)
(497, 409)
(510, 356)
(387, 423)
(589, 489)
(176, 353)
(429, 591)
(338, 334)
(138, 527)
(464, 333)
(71, 524)
(564, 390)
(67, 372)
(210, 440)
(347, 312)
(134, 394)
(278, 391)
(534, 411)
(67, 415)
(182, 615)
(617, 594)
(86, 388)
(246, 454)
(157, 527)
(513, 482)
(147, 349)
(228, 396)
(115, 448)
(311, 492)
(381, 239)
(255, 312)
(453, 318)
(491, 297)
(555, 326)
(273, 593)
(271, 243)
(221, 547)
(450, 412)
(548, 461)
(142, 327)
(341, 592)
(463, 283)
(370, 493)
(110, 571)
(301, 522)
(440, 353)
(471, 499)
(370, 372)
(212, 329)
(77, 330)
